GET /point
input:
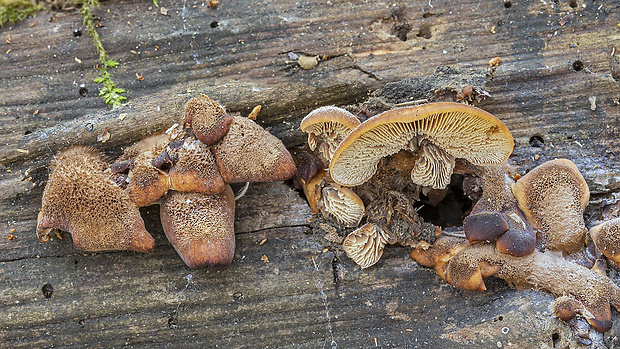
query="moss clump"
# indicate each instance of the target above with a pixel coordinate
(16, 10)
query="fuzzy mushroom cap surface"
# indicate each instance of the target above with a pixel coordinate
(326, 128)
(200, 227)
(606, 237)
(207, 118)
(342, 205)
(365, 245)
(146, 182)
(458, 130)
(195, 170)
(83, 200)
(547, 271)
(553, 197)
(248, 153)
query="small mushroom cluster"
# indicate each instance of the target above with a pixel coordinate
(187, 172)
(424, 141)
(527, 230)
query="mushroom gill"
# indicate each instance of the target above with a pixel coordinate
(82, 199)
(326, 128)
(553, 197)
(460, 131)
(342, 205)
(365, 245)
(200, 227)
(433, 167)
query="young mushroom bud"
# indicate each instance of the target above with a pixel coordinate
(365, 245)
(484, 226)
(553, 197)
(82, 199)
(200, 227)
(438, 133)
(606, 237)
(146, 182)
(326, 128)
(248, 153)
(207, 119)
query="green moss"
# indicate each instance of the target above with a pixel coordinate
(16, 10)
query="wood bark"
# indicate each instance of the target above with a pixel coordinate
(555, 59)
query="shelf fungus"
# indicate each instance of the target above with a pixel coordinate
(81, 198)
(553, 197)
(365, 245)
(606, 237)
(187, 172)
(436, 133)
(581, 291)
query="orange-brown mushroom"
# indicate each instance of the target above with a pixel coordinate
(437, 133)
(326, 128)
(365, 245)
(248, 153)
(147, 183)
(553, 197)
(207, 119)
(200, 227)
(195, 169)
(606, 237)
(82, 199)
(590, 292)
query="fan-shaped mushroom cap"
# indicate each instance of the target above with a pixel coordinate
(248, 153)
(207, 119)
(365, 245)
(326, 128)
(606, 237)
(458, 130)
(439, 254)
(195, 170)
(553, 197)
(146, 182)
(200, 227)
(81, 199)
(342, 205)
(547, 271)
(313, 191)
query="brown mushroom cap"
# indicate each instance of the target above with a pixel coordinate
(484, 226)
(207, 119)
(342, 205)
(200, 227)
(195, 169)
(146, 182)
(519, 240)
(248, 153)
(553, 197)
(606, 237)
(459, 130)
(365, 245)
(547, 271)
(81, 199)
(326, 128)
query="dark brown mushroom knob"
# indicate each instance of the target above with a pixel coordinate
(436, 133)
(200, 227)
(82, 199)
(207, 119)
(484, 226)
(553, 197)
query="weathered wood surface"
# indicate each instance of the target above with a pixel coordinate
(237, 54)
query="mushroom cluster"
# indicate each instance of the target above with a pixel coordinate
(421, 143)
(187, 172)
(528, 230)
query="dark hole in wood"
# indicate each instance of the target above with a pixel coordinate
(77, 32)
(578, 65)
(425, 31)
(451, 211)
(537, 141)
(214, 24)
(427, 14)
(572, 3)
(27, 132)
(507, 4)
(555, 337)
(47, 290)
(83, 91)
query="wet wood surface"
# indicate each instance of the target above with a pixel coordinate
(555, 60)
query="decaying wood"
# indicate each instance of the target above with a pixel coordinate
(554, 58)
